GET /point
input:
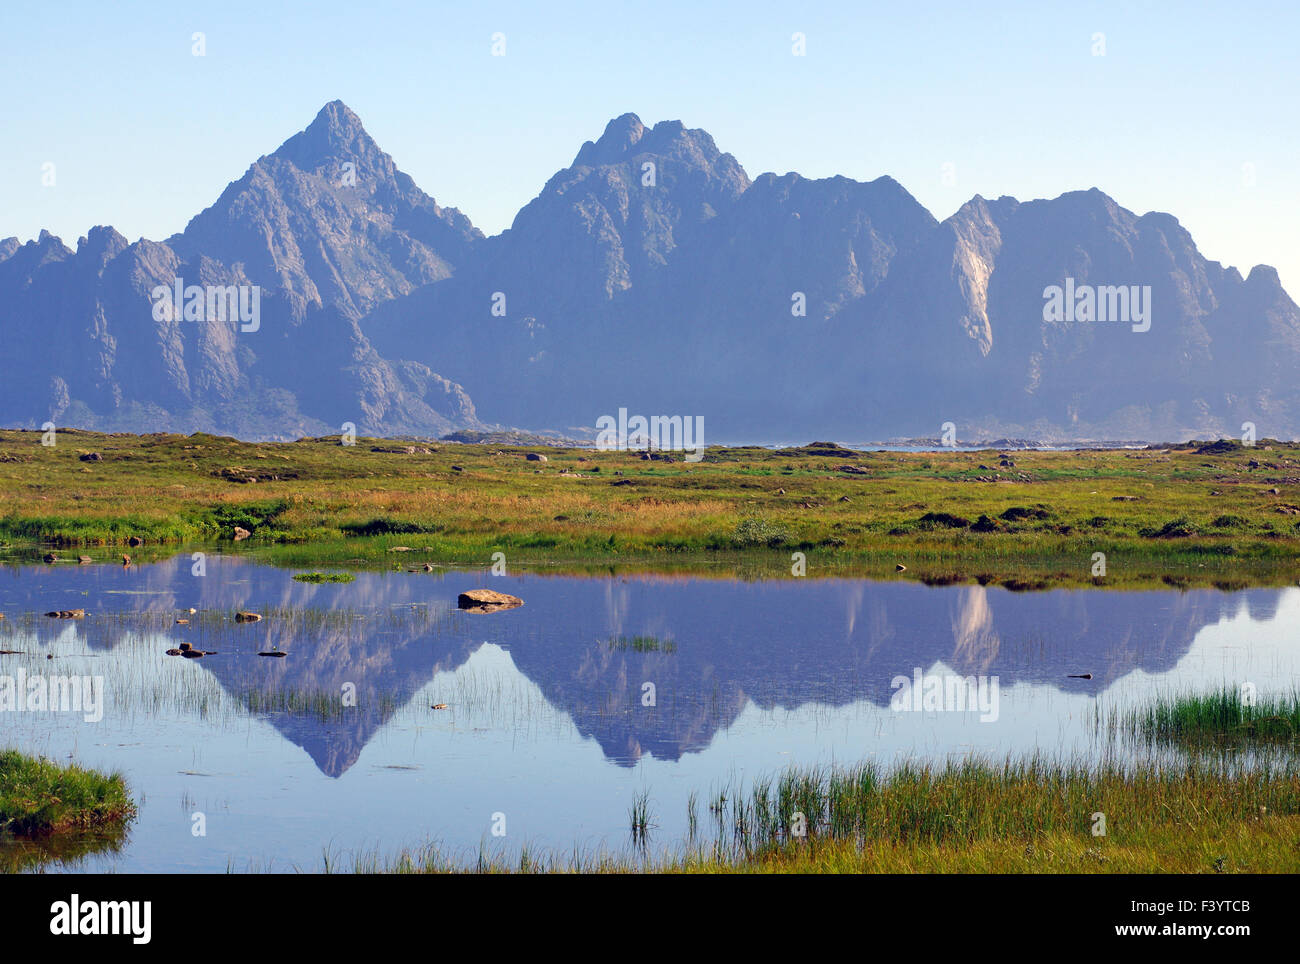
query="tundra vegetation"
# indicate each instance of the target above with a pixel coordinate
(1200, 514)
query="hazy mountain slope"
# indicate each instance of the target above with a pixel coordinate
(668, 296)
(974, 296)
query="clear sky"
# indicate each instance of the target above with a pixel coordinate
(1194, 108)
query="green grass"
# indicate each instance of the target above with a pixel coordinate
(1227, 717)
(1183, 516)
(1027, 816)
(39, 798)
(319, 577)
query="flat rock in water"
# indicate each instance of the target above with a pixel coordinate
(487, 601)
(248, 617)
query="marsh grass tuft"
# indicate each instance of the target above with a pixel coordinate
(39, 797)
(319, 577)
(641, 644)
(1219, 718)
(640, 819)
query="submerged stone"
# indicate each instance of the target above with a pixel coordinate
(487, 601)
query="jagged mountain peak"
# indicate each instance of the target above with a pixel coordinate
(322, 230)
(1093, 203)
(102, 242)
(1264, 275)
(625, 138)
(621, 134)
(337, 114)
(330, 221)
(335, 135)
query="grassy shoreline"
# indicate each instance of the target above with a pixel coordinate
(1030, 816)
(1207, 808)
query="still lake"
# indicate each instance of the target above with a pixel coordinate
(546, 721)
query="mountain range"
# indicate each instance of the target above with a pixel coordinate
(652, 274)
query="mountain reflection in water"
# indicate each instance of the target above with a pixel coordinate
(710, 647)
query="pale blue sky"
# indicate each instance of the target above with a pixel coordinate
(143, 135)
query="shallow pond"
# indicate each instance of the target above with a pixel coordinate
(561, 713)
